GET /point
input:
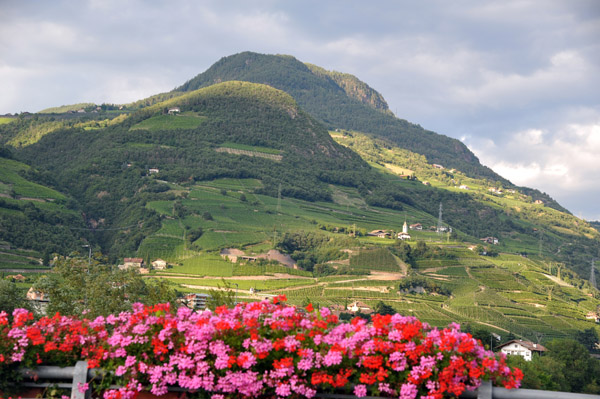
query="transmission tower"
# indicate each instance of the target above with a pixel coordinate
(593, 276)
(279, 199)
(439, 226)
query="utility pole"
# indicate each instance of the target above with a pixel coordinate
(593, 276)
(279, 199)
(439, 226)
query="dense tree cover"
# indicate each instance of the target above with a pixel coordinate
(107, 169)
(75, 286)
(422, 285)
(310, 248)
(324, 95)
(566, 366)
(12, 297)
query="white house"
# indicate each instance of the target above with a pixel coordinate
(490, 240)
(358, 306)
(159, 264)
(403, 236)
(521, 348)
(173, 111)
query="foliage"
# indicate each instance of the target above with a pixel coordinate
(566, 366)
(422, 285)
(256, 350)
(223, 295)
(11, 297)
(310, 248)
(74, 287)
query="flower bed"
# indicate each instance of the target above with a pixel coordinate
(261, 349)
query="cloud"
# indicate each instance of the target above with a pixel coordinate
(563, 163)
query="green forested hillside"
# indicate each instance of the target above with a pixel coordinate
(339, 102)
(108, 169)
(33, 215)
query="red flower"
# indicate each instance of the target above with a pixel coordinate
(309, 308)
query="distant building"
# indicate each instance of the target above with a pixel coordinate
(35, 295)
(403, 236)
(18, 277)
(416, 226)
(39, 300)
(405, 227)
(490, 240)
(538, 202)
(132, 263)
(435, 165)
(196, 301)
(426, 183)
(379, 233)
(525, 349)
(159, 264)
(173, 111)
(361, 307)
(463, 187)
(593, 316)
(153, 170)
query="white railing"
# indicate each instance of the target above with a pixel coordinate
(70, 377)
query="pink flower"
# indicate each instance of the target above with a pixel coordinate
(360, 390)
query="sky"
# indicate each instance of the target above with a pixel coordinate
(516, 80)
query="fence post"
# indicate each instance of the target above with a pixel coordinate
(80, 374)
(485, 390)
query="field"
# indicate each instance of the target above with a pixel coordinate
(12, 182)
(501, 294)
(170, 122)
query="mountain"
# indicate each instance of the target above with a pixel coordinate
(340, 101)
(233, 129)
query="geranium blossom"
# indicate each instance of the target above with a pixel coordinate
(262, 349)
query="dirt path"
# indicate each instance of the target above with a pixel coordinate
(275, 276)
(557, 281)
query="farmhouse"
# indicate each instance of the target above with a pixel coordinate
(379, 233)
(521, 348)
(358, 306)
(490, 240)
(593, 316)
(416, 226)
(159, 264)
(133, 262)
(173, 111)
(153, 170)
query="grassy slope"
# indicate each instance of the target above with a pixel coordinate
(559, 231)
(504, 293)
